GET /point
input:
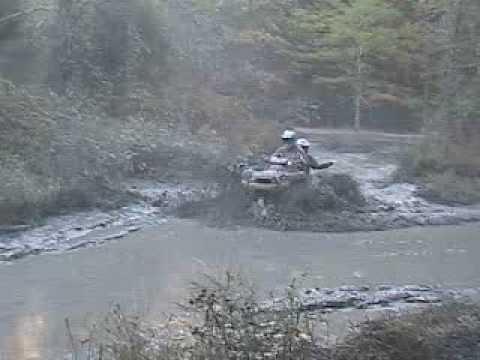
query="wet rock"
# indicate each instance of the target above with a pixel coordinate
(386, 207)
(134, 228)
(424, 299)
(383, 296)
(5, 229)
(160, 203)
(338, 298)
(417, 288)
(116, 235)
(13, 254)
(79, 245)
(384, 287)
(352, 288)
(93, 222)
(391, 295)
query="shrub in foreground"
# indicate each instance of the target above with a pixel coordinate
(224, 319)
(221, 319)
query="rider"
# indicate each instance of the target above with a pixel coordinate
(304, 144)
(291, 150)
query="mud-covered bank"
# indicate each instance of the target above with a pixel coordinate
(146, 203)
(156, 181)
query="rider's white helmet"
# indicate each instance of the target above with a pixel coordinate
(288, 134)
(303, 143)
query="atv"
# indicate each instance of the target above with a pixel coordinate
(278, 175)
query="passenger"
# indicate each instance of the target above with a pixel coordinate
(312, 163)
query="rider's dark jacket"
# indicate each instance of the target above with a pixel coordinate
(293, 153)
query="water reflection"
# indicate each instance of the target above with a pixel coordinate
(28, 337)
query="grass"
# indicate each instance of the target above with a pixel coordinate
(449, 172)
(450, 188)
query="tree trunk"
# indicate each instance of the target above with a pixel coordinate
(426, 121)
(357, 123)
(450, 82)
(358, 90)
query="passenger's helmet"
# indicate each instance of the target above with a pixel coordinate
(303, 143)
(288, 135)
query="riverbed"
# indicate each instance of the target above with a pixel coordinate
(148, 271)
(369, 159)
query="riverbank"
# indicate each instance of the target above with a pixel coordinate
(359, 193)
(149, 203)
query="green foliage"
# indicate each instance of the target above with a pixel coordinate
(339, 49)
(373, 33)
(369, 24)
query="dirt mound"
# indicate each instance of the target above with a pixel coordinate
(320, 206)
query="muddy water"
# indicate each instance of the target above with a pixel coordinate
(148, 271)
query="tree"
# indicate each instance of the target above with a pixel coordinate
(363, 37)
(342, 50)
(102, 48)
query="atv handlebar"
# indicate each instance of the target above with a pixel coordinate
(325, 165)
